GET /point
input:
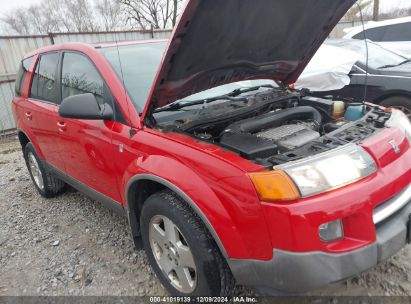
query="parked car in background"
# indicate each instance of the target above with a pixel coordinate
(388, 81)
(393, 34)
(260, 186)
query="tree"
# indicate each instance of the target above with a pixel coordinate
(17, 22)
(80, 15)
(51, 16)
(109, 11)
(91, 15)
(156, 14)
(354, 12)
(376, 10)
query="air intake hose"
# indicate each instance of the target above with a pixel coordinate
(274, 119)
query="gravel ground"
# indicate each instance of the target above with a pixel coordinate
(70, 245)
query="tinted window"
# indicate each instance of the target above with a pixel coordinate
(139, 64)
(21, 74)
(44, 80)
(79, 76)
(398, 32)
(374, 34)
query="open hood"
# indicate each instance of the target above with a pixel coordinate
(222, 41)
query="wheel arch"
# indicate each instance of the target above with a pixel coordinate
(25, 137)
(391, 95)
(141, 186)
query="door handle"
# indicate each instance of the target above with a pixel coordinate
(62, 126)
(29, 116)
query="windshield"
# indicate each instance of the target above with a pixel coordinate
(139, 64)
(377, 56)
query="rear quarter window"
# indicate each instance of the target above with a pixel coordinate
(374, 34)
(398, 32)
(21, 74)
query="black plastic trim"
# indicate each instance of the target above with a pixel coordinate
(93, 194)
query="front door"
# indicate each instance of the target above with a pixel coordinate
(42, 108)
(86, 144)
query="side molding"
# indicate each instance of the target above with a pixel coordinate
(95, 195)
(184, 196)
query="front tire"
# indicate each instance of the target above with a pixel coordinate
(45, 182)
(181, 250)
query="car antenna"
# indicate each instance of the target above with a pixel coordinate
(132, 129)
(366, 53)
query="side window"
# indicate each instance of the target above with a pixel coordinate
(21, 74)
(44, 79)
(398, 32)
(79, 76)
(374, 34)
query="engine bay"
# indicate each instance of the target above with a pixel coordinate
(276, 126)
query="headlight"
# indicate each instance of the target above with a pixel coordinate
(330, 170)
(399, 120)
(313, 175)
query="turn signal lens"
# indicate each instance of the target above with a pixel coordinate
(274, 186)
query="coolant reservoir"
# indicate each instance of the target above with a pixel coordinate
(338, 109)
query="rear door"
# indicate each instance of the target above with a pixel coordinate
(21, 105)
(87, 144)
(42, 108)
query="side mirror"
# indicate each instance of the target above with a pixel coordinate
(85, 106)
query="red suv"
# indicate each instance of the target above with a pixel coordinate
(224, 173)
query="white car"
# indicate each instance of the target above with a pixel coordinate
(393, 34)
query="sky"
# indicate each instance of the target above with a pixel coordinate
(388, 5)
(7, 5)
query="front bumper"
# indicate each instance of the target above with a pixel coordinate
(299, 272)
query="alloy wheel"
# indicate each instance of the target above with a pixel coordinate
(35, 170)
(172, 254)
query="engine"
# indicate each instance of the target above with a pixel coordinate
(273, 128)
(289, 137)
(274, 132)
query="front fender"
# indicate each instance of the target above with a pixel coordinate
(232, 222)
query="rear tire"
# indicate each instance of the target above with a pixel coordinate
(399, 102)
(46, 183)
(207, 273)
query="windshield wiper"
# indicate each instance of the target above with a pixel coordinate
(182, 104)
(405, 61)
(230, 96)
(394, 65)
(240, 91)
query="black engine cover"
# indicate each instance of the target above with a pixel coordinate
(249, 146)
